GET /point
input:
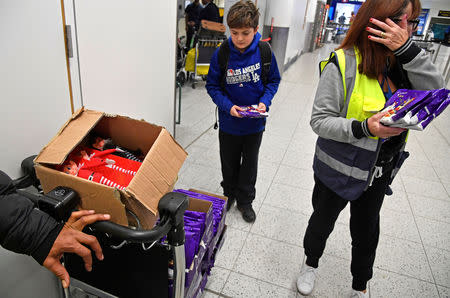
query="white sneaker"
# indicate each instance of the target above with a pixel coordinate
(359, 294)
(305, 282)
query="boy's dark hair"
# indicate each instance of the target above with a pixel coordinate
(243, 14)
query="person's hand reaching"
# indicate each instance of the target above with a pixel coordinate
(71, 239)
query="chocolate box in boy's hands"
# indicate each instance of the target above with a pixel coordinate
(156, 176)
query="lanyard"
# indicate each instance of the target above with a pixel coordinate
(387, 94)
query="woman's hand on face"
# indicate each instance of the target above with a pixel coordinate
(380, 130)
(391, 35)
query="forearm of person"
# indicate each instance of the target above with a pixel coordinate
(26, 230)
(326, 120)
(422, 73)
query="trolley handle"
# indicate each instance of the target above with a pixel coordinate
(131, 235)
(171, 209)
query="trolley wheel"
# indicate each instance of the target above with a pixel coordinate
(193, 85)
(204, 78)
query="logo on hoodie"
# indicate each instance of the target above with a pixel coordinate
(245, 74)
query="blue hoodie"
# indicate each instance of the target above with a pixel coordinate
(243, 87)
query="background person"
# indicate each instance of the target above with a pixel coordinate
(352, 17)
(342, 18)
(192, 18)
(241, 85)
(355, 154)
(210, 11)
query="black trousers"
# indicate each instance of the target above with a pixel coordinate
(239, 159)
(189, 35)
(364, 226)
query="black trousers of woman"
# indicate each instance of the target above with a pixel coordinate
(239, 159)
(364, 226)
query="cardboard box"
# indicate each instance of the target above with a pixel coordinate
(210, 256)
(156, 176)
(221, 226)
(202, 286)
(191, 291)
(213, 26)
(193, 269)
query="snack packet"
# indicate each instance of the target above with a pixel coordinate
(424, 123)
(253, 112)
(417, 115)
(400, 103)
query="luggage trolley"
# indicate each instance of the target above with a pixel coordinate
(209, 37)
(136, 264)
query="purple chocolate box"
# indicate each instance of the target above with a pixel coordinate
(204, 206)
(399, 104)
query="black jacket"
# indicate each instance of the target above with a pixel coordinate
(23, 228)
(210, 13)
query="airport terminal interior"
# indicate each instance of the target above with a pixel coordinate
(250, 259)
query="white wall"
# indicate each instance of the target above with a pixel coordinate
(262, 5)
(280, 11)
(311, 10)
(33, 79)
(127, 57)
(297, 32)
(34, 104)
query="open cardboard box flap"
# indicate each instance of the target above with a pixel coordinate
(156, 176)
(158, 172)
(68, 137)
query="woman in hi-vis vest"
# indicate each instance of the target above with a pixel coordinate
(357, 157)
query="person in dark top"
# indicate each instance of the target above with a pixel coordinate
(210, 11)
(27, 230)
(342, 18)
(192, 18)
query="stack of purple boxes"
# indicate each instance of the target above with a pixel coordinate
(205, 233)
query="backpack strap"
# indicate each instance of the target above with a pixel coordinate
(266, 60)
(223, 55)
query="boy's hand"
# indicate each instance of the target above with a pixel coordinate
(234, 111)
(262, 107)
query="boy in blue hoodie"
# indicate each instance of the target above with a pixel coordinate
(241, 84)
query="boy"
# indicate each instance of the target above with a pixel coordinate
(245, 81)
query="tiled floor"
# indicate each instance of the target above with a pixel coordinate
(263, 259)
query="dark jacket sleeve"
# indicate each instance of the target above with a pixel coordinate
(422, 73)
(25, 229)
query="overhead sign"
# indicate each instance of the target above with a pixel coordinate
(444, 13)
